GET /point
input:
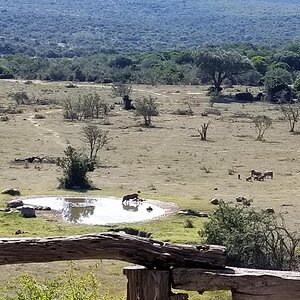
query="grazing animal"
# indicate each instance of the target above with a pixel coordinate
(134, 197)
(255, 173)
(259, 178)
(249, 178)
(269, 174)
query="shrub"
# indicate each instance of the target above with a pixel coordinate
(75, 167)
(255, 239)
(262, 123)
(69, 285)
(147, 108)
(188, 223)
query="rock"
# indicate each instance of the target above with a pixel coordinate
(214, 201)
(28, 211)
(240, 199)
(190, 212)
(11, 191)
(149, 208)
(15, 203)
(132, 231)
(270, 210)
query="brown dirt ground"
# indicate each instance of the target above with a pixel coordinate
(168, 161)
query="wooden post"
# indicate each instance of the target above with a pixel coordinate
(145, 284)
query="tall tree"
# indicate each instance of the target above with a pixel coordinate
(220, 64)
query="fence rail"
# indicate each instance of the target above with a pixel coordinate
(162, 266)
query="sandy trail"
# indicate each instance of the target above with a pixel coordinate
(55, 135)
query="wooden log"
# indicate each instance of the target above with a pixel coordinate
(119, 246)
(245, 284)
(149, 284)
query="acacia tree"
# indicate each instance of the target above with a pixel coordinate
(147, 107)
(262, 123)
(95, 138)
(291, 113)
(220, 64)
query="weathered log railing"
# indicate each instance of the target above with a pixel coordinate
(162, 266)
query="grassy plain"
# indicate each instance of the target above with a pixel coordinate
(168, 162)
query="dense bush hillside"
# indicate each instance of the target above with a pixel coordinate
(66, 28)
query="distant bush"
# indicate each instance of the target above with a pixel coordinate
(147, 107)
(75, 166)
(254, 239)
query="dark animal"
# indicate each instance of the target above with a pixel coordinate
(249, 178)
(255, 173)
(244, 96)
(259, 177)
(268, 174)
(126, 198)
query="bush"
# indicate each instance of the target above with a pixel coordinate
(147, 108)
(75, 167)
(70, 285)
(297, 84)
(255, 239)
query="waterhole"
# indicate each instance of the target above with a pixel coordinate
(100, 210)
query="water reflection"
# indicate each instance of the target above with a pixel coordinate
(98, 211)
(131, 206)
(76, 209)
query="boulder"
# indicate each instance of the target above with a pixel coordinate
(215, 201)
(28, 211)
(11, 191)
(15, 203)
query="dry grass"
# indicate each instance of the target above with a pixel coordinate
(165, 162)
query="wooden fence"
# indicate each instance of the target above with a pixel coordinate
(162, 267)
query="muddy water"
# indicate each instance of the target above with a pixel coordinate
(98, 211)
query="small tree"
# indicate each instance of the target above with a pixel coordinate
(262, 123)
(255, 239)
(95, 138)
(291, 113)
(147, 107)
(75, 166)
(203, 130)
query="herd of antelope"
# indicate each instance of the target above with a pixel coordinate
(260, 176)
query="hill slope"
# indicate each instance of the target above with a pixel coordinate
(127, 25)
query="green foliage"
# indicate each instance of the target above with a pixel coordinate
(253, 239)
(75, 166)
(297, 84)
(147, 107)
(188, 223)
(260, 64)
(276, 80)
(220, 64)
(114, 28)
(71, 285)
